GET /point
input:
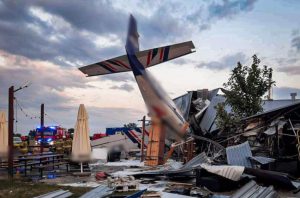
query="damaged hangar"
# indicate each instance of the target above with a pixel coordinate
(273, 133)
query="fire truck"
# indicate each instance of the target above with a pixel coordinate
(50, 133)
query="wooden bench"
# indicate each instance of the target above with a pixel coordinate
(40, 162)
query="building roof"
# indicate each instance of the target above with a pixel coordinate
(208, 121)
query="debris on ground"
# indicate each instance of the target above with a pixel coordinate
(123, 184)
(57, 193)
(101, 175)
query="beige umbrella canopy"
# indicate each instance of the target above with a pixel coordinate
(81, 147)
(3, 136)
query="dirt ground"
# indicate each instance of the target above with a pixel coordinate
(23, 189)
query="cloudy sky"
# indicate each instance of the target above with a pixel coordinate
(45, 41)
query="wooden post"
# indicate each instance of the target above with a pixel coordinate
(143, 138)
(10, 131)
(42, 129)
(156, 144)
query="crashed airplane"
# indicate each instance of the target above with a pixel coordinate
(157, 101)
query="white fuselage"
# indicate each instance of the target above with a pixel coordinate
(158, 103)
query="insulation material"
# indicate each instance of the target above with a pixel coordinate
(100, 154)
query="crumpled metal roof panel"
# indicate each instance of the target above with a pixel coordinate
(183, 103)
(239, 155)
(252, 190)
(207, 123)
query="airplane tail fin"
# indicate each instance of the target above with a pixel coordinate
(132, 43)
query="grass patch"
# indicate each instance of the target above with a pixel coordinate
(23, 189)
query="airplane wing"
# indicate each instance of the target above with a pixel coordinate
(147, 57)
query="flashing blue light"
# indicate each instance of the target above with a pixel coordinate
(52, 127)
(49, 140)
(38, 127)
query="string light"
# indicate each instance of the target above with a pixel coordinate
(24, 112)
(30, 116)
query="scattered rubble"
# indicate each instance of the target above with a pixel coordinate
(259, 160)
(123, 184)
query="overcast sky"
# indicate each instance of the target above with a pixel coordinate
(45, 41)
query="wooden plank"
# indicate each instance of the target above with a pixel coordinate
(156, 144)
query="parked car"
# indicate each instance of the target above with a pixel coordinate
(17, 141)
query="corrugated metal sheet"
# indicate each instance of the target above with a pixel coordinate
(262, 160)
(183, 103)
(270, 105)
(196, 161)
(252, 190)
(188, 167)
(213, 93)
(56, 194)
(209, 117)
(239, 155)
(230, 172)
(276, 105)
(100, 191)
(208, 123)
(137, 194)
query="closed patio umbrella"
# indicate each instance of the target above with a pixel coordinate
(81, 147)
(3, 136)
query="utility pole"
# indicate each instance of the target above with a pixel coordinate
(11, 97)
(42, 128)
(10, 131)
(143, 138)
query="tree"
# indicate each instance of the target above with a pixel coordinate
(131, 125)
(17, 134)
(244, 91)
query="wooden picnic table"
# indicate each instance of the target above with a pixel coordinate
(35, 154)
(40, 162)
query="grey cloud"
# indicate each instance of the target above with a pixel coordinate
(291, 65)
(161, 27)
(291, 70)
(18, 35)
(100, 18)
(48, 81)
(94, 16)
(228, 8)
(125, 87)
(47, 87)
(296, 43)
(217, 10)
(228, 61)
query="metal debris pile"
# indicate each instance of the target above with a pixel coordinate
(261, 159)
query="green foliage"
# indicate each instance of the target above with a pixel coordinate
(244, 91)
(17, 134)
(130, 125)
(225, 121)
(71, 130)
